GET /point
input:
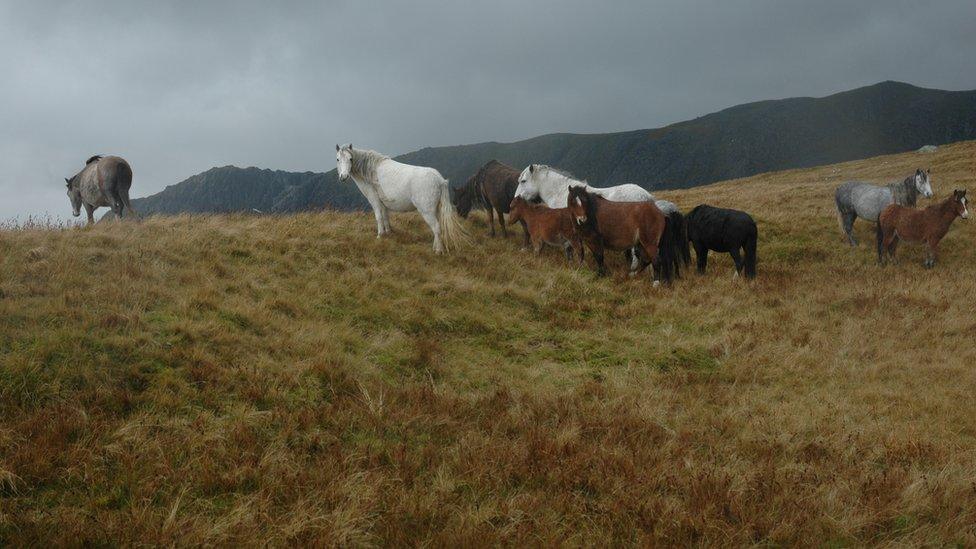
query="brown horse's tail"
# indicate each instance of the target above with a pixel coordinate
(879, 235)
(683, 246)
(669, 249)
(452, 234)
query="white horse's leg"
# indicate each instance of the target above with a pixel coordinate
(378, 209)
(386, 220)
(378, 214)
(430, 216)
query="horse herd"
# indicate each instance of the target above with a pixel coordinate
(556, 209)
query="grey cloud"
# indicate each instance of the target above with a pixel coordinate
(178, 87)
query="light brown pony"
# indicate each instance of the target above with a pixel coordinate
(545, 225)
(926, 226)
(641, 226)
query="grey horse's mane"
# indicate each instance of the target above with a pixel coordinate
(905, 193)
(71, 180)
(562, 172)
(365, 162)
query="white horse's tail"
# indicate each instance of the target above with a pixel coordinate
(452, 233)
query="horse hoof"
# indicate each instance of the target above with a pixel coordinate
(656, 283)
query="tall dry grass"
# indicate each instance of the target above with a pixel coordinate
(285, 380)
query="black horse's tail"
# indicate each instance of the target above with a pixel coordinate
(669, 249)
(750, 258)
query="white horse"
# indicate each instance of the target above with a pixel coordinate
(389, 185)
(552, 186)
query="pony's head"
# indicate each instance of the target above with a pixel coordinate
(343, 161)
(961, 202)
(74, 195)
(464, 198)
(922, 183)
(528, 185)
(516, 210)
(578, 203)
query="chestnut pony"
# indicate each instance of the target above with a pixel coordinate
(545, 225)
(926, 226)
(604, 224)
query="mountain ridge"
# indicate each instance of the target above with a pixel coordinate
(738, 141)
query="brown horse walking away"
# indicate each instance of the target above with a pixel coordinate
(552, 226)
(494, 187)
(604, 224)
(926, 226)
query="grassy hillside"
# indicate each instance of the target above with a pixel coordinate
(291, 379)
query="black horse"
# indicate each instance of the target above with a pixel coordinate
(723, 230)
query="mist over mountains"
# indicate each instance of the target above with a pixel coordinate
(744, 140)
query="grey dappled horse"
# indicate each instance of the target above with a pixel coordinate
(103, 182)
(856, 199)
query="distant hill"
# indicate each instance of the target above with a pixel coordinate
(233, 189)
(740, 141)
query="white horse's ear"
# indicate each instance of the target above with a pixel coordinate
(531, 168)
(337, 147)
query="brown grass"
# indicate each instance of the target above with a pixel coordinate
(288, 380)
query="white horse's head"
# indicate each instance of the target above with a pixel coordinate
(343, 161)
(528, 185)
(74, 195)
(922, 183)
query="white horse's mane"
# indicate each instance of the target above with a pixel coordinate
(561, 172)
(365, 162)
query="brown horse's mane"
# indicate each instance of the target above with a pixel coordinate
(590, 202)
(944, 205)
(535, 206)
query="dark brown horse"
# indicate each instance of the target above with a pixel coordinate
(926, 226)
(603, 224)
(494, 188)
(552, 226)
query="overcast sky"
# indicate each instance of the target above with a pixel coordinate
(181, 86)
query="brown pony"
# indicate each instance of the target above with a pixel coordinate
(552, 226)
(926, 226)
(641, 226)
(494, 187)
